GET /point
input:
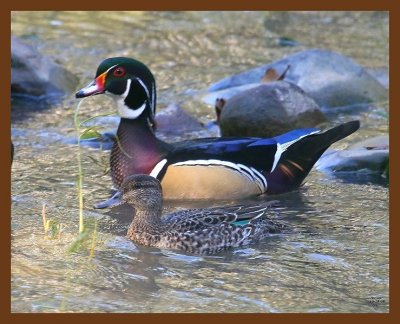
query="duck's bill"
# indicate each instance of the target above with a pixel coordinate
(114, 201)
(93, 88)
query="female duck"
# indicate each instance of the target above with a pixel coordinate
(203, 231)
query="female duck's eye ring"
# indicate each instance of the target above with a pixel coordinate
(119, 72)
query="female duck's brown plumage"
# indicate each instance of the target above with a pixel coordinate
(207, 230)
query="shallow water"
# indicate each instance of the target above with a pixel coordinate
(336, 260)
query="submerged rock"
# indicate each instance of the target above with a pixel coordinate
(331, 79)
(370, 154)
(268, 110)
(35, 75)
(382, 75)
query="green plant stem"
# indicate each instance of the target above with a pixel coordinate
(94, 239)
(94, 117)
(80, 172)
(44, 218)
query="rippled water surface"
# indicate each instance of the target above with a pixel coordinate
(335, 261)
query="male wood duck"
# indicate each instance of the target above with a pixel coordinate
(206, 168)
(204, 230)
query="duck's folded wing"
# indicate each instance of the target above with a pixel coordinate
(194, 219)
(248, 212)
(248, 156)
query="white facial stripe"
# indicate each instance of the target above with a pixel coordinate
(111, 68)
(128, 87)
(128, 113)
(153, 93)
(151, 100)
(250, 173)
(123, 110)
(154, 173)
(144, 87)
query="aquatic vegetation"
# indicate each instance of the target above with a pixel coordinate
(52, 228)
(87, 237)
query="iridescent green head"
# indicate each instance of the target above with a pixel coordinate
(129, 82)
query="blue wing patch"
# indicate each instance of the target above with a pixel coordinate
(295, 135)
(263, 142)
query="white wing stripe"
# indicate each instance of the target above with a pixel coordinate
(123, 110)
(277, 157)
(282, 147)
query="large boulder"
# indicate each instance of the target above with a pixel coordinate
(268, 110)
(35, 75)
(331, 79)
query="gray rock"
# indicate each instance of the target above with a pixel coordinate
(331, 79)
(173, 119)
(35, 75)
(370, 154)
(268, 110)
(382, 75)
(373, 143)
(228, 93)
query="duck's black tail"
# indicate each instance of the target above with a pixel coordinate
(299, 158)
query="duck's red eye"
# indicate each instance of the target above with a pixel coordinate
(119, 72)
